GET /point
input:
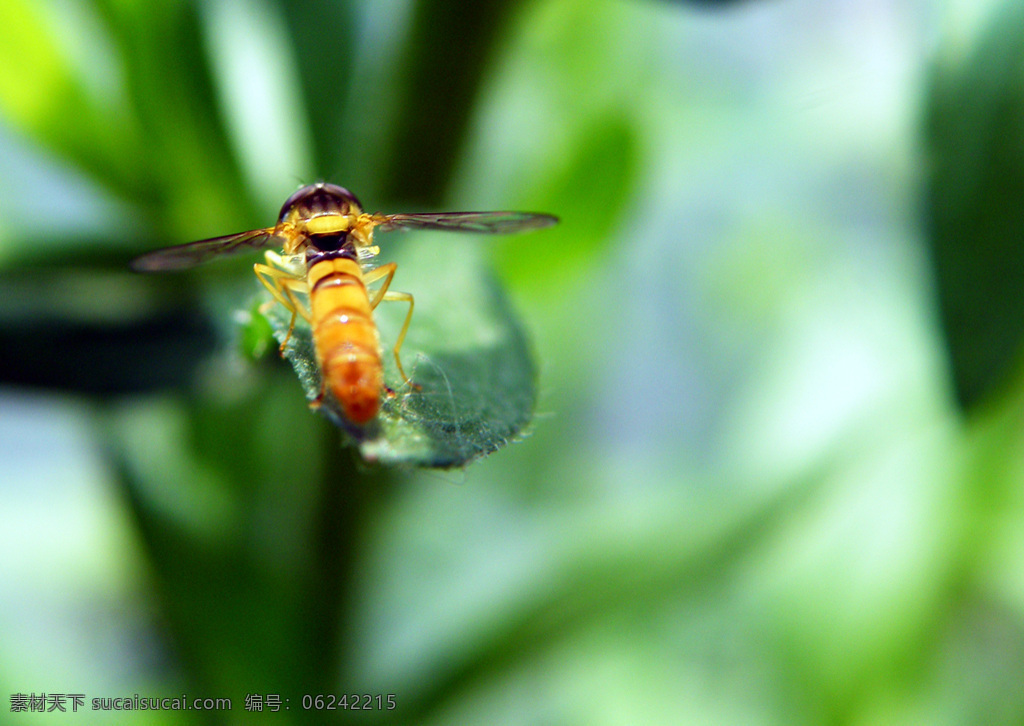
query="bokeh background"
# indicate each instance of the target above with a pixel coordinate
(776, 470)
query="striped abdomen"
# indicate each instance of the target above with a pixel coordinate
(346, 339)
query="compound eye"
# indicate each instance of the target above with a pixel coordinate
(316, 199)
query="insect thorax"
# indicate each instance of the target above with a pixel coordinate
(333, 246)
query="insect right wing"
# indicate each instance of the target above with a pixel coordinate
(188, 255)
(478, 222)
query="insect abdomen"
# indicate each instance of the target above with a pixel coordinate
(345, 336)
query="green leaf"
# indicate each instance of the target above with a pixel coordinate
(598, 174)
(168, 78)
(256, 336)
(323, 35)
(49, 97)
(465, 351)
(976, 143)
(445, 60)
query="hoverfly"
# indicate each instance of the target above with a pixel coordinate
(327, 247)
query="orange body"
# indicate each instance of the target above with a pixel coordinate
(345, 336)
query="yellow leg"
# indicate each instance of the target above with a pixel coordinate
(387, 272)
(381, 293)
(401, 297)
(283, 285)
(270, 277)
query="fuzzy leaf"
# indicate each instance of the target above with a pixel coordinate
(465, 350)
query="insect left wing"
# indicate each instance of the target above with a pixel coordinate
(478, 222)
(194, 253)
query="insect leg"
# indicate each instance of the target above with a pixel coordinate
(288, 278)
(270, 278)
(402, 297)
(283, 285)
(291, 285)
(388, 272)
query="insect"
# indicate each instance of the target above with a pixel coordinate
(327, 248)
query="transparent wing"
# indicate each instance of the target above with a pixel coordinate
(194, 253)
(479, 222)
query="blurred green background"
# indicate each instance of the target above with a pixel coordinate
(775, 474)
